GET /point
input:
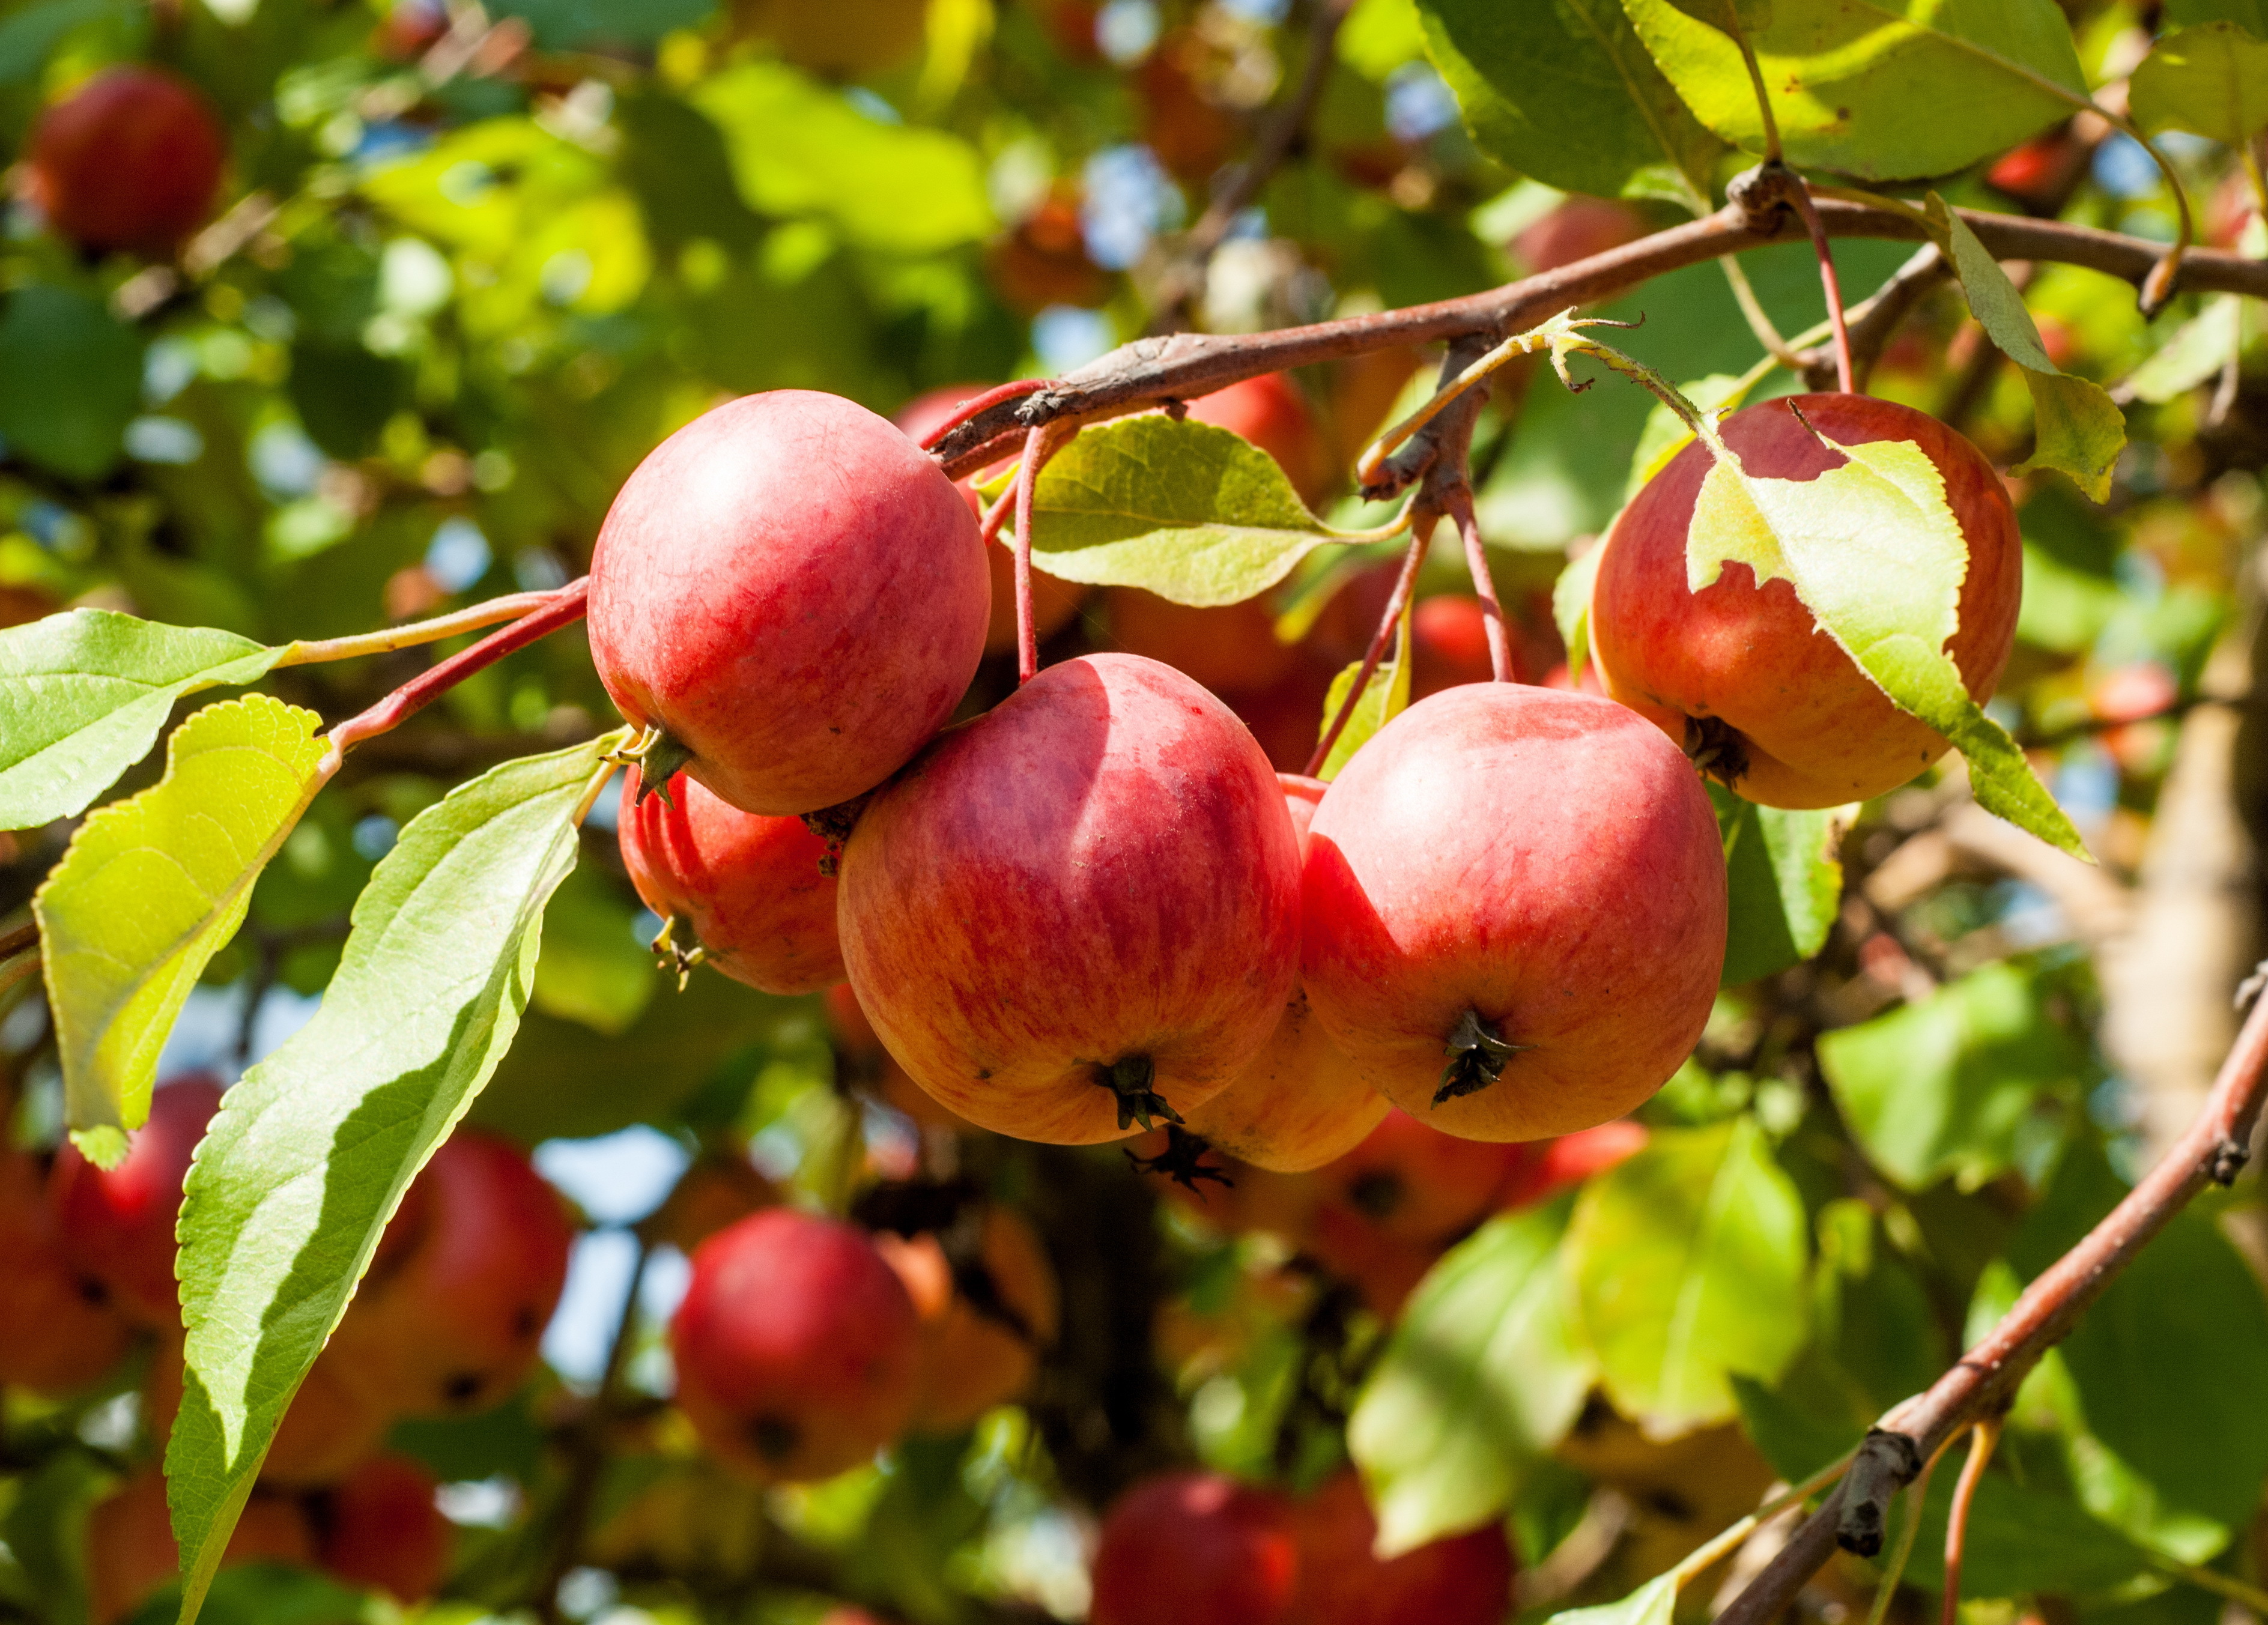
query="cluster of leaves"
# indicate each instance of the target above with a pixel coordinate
(481, 262)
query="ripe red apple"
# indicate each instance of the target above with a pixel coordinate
(380, 1529)
(743, 889)
(1552, 1166)
(1448, 644)
(1418, 1184)
(798, 1350)
(58, 1333)
(1042, 261)
(117, 1224)
(1053, 600)
(1576, 229)
(1194, 1549)
(131, 160)
(1301, 1103)
(1527, 885)
(795, 592)
(1190, 132)
(1229, 648)
(130, 1550)
(1081, 909)
(1462, 1580)
(2041, 174)
(984, 1319)
(1271, 413)
(1741, 673)
(333, 1423)
(452, 1321)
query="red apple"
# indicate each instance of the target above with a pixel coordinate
(1191, 133)
(1301, 1103)
(1448, 644)
(333, 1424)
(1080, 909)
(58, 1333)
(1418, 1184)
(743, 889)
(1576, 229)
(1742, 671)
(1194, 1549)
(1528, 884)
(1053, 600)
(131, 160)
(380, 1529)
(1552, 1166)
(130, 1550)
(1464, 1579)
(795, 592)
(1229, 648)
(984, 1318)
(116, 1224)
(452, 1320)
(797, 1349)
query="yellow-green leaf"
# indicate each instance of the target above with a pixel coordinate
(1192, 512)
(1570, 608)
(1874, 551)
(2212, 80)
(153, 886)
(1385, 697)
(2077, 429)
(2199, 347)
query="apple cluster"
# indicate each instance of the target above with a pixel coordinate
(449, 1321)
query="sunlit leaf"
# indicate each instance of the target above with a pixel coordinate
(1385, 697)
(311, 1152)
(152, 887)
(1665, 434)
(31, 35)
(82, 695)
(1654, 1603)
(1483, 1375)
(1849, 79)
(70, 380)
(2211, 81)
(1193, 513)
(2198, 350)
(1944, 1087)
(1784, 874)
(1874, 551)
(1570, 608)
(1562, 90)
(1688, 1265)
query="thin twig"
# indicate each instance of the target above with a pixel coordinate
(13, 943)
(1151, 371)
(1875, 319)
(512, 607)
(565, 608)
(1399, 600)
(1982, 1438)
(1460, 510)
(2213, 1149)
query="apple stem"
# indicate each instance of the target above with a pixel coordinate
(1799, 196)
(1039, 446)
(510, 607)
(1982, 1438)
(565, 607)
(1403, 584)
(1499, 641)
(1013, 391)
(1183, 1161)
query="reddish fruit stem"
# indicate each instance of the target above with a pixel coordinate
(1038, 447)
(1982, 1438)
(1014, 390)
(566, 607)
(1845, 375)
(1394, 605)
(1499, 640)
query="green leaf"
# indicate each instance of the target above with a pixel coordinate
(800, 148)
(1194, 513)
(82, 695)
(1385, 697)
(311, 1152)
(30, 37)
(153, 886)
(70, 380)
(2077, 429)
(1849, 79)
(1665, 434)
(595, 972)
(2198, 350)
(1481, 1378)
(1563, 90)
(1876, 553)
(2252, 14)
(1570, 608)
(577, 24)
(1945, 1087)
(1784, 871)
(2023, 1539)
(1688, 1263)
(1654, 1603)
(2211, 81)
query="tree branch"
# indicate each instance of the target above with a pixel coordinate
(1150, 371)
(1984, 1381)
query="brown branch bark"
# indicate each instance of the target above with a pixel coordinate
(1985, 1378)
(1150, 371)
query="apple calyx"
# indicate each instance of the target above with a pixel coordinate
(1183, 1161)
(659, 754)
(1716, 748)
(1476, 1053)
(833, 825)
(1130, 1077)
(775, 1438)
(673, 955)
